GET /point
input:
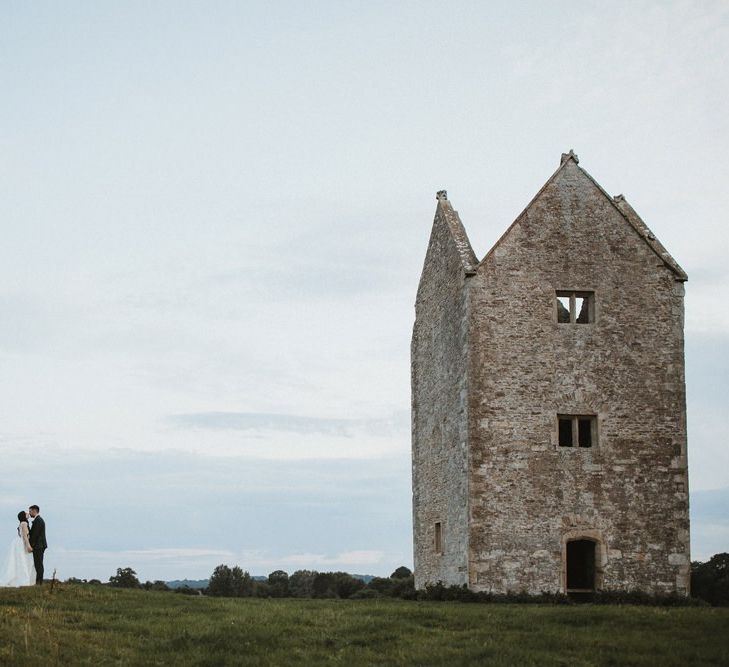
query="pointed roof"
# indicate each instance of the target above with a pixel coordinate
(620, 204)
(458, 232)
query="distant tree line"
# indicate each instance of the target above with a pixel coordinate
(228, 581)
(709, 584)
(234, 582)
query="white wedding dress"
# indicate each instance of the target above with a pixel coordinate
(18, 569)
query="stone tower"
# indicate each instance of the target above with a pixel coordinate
(548, 401)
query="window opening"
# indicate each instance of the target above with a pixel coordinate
(577, 430)
(584, 432)
(575, 307)
(563, 309)
(438, 538)
(565, 432)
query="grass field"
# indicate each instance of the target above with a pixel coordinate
(91, 625)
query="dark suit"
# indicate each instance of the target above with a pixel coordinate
(37, 539)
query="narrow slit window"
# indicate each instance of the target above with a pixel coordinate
(438, 538)
(577, 430)
(575, 307)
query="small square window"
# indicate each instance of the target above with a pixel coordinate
(575, 307)
(577, 430)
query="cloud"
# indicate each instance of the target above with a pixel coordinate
(31, 323)
(709, 523)
(147, 554)
(708, 539)
(711, 506)
(707, 290)
(357, 557)
(256, 421)
(175, 514)
(15, 500)
(168, 563)
(707, 385)
(312, 281)
(165, 563)
(314, 561)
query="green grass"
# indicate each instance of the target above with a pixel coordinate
(77, 625)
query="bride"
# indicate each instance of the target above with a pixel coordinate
(18, 569)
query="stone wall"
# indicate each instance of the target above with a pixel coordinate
(527, 495)
(439, 407)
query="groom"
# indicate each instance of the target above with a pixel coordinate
(37, 539)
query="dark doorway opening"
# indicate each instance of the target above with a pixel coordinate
(580, 567)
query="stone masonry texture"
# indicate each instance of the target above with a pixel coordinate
(491, 370)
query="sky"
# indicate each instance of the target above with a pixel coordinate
(214, 217)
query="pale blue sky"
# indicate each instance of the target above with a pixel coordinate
(214, 217)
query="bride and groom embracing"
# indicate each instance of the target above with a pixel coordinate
(24, 564)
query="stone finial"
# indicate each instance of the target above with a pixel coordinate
(567, 156)
(619, 198)
(441, 195)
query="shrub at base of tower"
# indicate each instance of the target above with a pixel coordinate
(710, 580)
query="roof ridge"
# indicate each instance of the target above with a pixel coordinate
(566, 158)
(620, 204)
(630, 214)
(458, 232)
(637, 223)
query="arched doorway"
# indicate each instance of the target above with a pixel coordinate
(580, 566)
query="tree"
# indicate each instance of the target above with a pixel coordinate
(710, 580)
(124, 578)
(324, 585)
(402, 572)
(278, 582)
(261, 589)
(221, 582)
(241, 583)
(335, 585)
(346, 585)
(404, 588)
(230, 582)
(156, 585)
(301, 583)
(382, 585)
